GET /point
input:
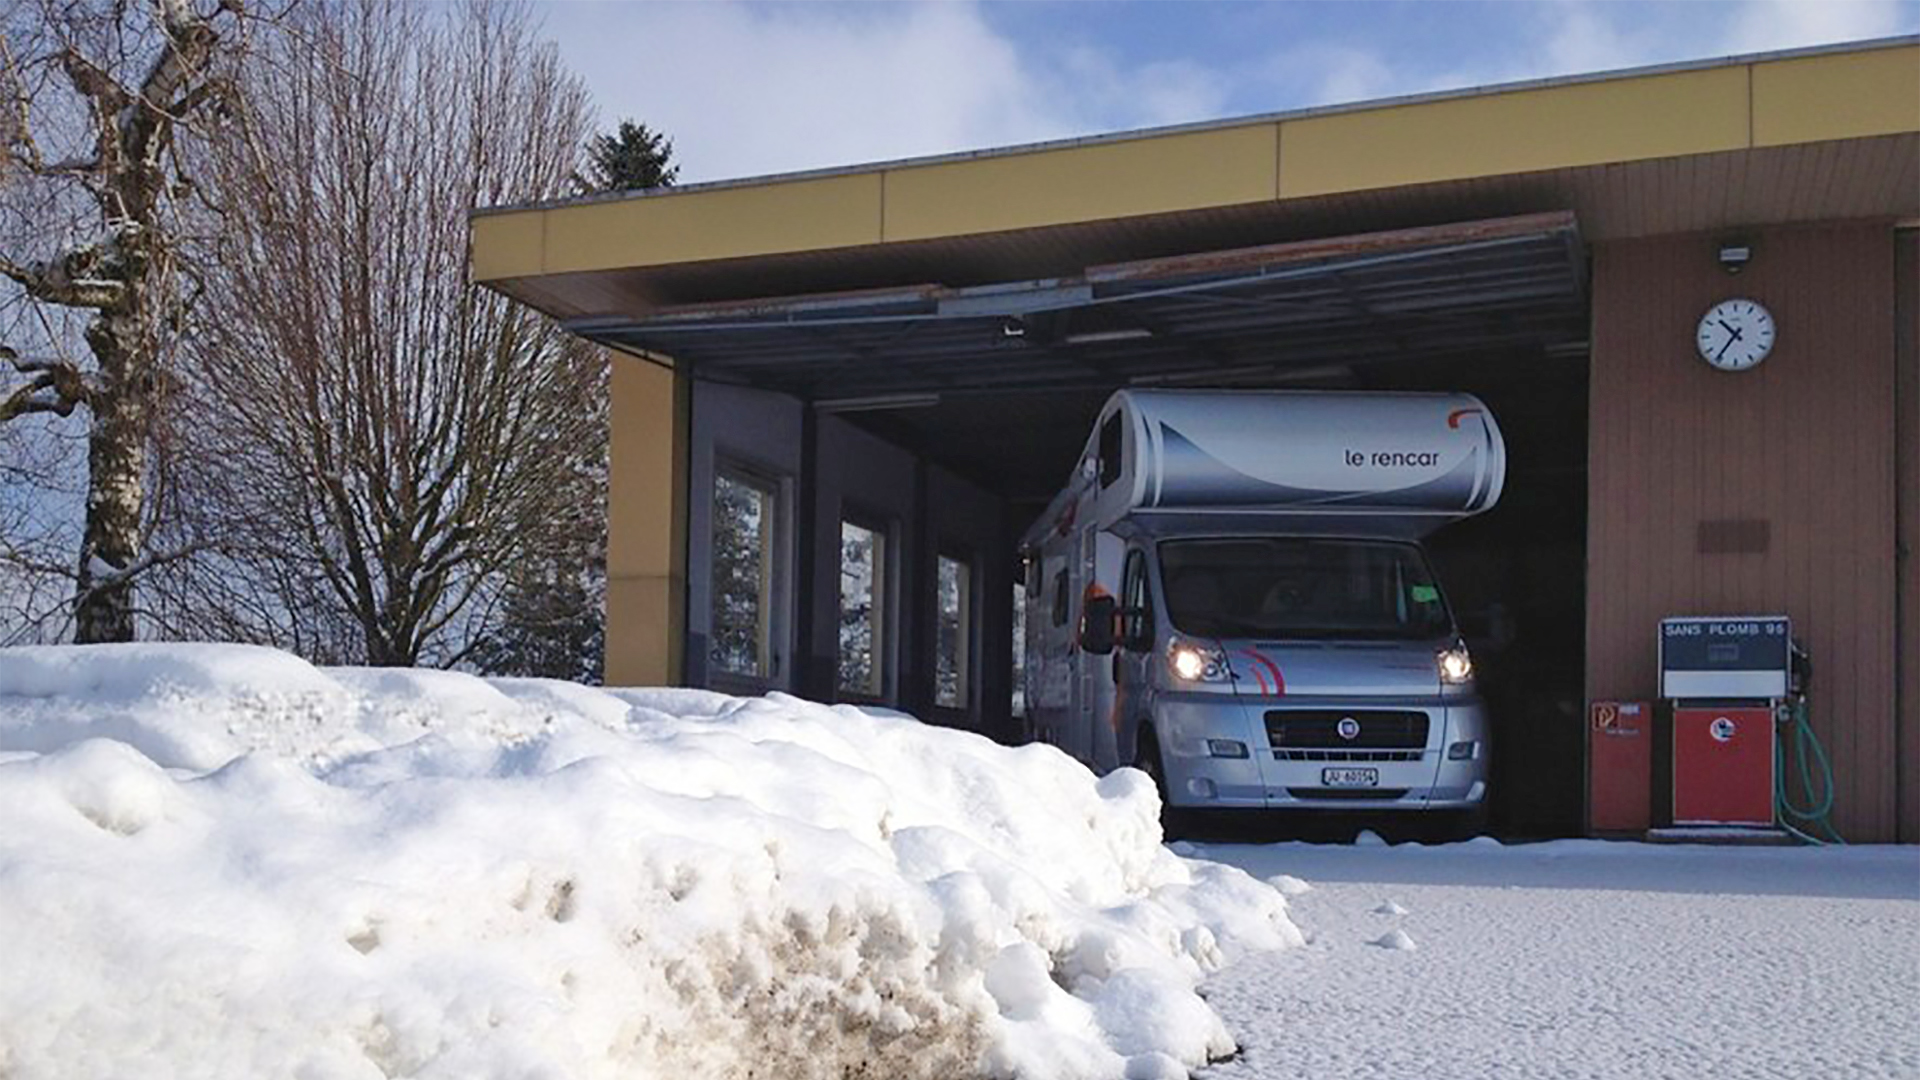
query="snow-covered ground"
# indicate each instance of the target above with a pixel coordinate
(221, 862)
(1581, 959)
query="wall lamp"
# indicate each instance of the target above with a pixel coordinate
(1735, 255)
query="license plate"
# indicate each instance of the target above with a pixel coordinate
(1350, 777)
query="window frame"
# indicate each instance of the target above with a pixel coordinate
(885, 622)
(1017, 693)
(963, 661)
(1136, 611)
(775, 575)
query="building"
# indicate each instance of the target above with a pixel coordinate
(912, 351)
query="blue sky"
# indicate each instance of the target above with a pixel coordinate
(752, 88)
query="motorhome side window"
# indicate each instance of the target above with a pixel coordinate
(1060, 598)
(1110, 451)
(1284, 587)
(744, 531)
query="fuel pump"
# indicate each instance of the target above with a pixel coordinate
(1738, 687)
(1798, 753)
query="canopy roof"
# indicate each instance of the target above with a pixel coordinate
(1411, 293)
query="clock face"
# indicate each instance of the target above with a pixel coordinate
(1735, 334)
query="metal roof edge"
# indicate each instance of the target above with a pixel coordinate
(1487, 90)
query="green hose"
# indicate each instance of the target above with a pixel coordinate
(1809, 755)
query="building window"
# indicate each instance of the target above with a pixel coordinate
(744, 527)
(951, 646)
(1020, 645)
(863, 599)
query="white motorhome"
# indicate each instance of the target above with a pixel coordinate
(1230, 594)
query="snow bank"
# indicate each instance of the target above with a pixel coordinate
(220, 861)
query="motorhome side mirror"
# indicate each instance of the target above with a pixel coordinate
(1097, 621)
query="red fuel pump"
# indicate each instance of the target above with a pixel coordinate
(1726, 678)
(1723, 765)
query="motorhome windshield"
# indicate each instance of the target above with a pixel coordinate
(1290, 587)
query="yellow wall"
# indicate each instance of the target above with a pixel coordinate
(1124, 178)
(1653, 116)
(1499, 132)
(1840, 96)
(646, 525)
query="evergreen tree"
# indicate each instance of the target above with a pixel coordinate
(632, 158)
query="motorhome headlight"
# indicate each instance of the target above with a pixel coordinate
(1191, 661)
(1456, 665)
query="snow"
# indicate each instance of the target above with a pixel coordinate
(1398, 940)
(1289, 885)
(1585, 960)
(218, 861)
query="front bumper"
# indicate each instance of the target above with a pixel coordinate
(1192, 728)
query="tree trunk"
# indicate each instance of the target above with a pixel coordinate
(116, 466)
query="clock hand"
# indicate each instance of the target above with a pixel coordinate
(1728, 345)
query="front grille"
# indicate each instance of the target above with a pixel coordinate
(1320, 729)
(1348, 755)
(1336, 793)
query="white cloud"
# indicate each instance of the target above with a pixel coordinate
(1785, 24)
(1577, 37)
(1087, 86)
(1325, 74)
(1585, 37)
(748, 89)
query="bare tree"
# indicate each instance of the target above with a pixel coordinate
(376, 440)
(94, 95)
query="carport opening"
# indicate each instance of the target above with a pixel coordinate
(951, 407)
(1516, 575)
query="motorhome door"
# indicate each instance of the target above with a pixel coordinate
(1099, 565)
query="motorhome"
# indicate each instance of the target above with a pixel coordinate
(1231, 594)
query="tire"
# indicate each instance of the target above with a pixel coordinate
(1146, 758)
(1467, 824)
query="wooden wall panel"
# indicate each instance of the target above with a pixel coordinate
(1907, 462)
(1804, 442)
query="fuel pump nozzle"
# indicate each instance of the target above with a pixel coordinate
(1814, 772)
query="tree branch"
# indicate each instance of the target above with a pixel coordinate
(22, 133)
(53, 386)
(68, 282)
(106, 576)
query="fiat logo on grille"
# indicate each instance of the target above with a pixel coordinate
(1349, 728)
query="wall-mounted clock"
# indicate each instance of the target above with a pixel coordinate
(1735, 334)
